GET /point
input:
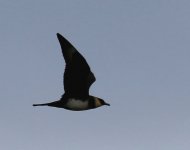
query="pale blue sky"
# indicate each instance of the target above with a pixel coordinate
(139, 52)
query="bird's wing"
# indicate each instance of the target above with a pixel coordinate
(77, 77)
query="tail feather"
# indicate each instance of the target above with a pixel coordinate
(53, 104)
(46, 104)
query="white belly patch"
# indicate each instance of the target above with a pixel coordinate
(77, 104)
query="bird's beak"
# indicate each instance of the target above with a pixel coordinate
(107, 104)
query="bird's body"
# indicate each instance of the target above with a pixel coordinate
(76, 104)
(77, 80)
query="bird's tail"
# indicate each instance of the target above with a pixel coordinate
(53, 104)
(46, 104)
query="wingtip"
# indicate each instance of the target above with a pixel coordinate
(58, 35)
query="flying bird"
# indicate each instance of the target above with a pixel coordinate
(77, 80)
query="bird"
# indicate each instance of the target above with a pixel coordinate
(77, 80)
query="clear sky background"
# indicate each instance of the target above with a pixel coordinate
(139, 51)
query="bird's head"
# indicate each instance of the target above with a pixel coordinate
(100, 102)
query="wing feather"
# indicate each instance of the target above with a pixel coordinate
(77, 76)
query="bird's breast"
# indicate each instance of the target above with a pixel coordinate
(77, 104)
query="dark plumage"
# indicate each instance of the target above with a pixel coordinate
(77, 80)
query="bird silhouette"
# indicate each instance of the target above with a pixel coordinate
(77, 80)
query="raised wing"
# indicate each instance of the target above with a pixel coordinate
(77, 77)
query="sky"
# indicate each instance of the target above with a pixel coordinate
(139, 52)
